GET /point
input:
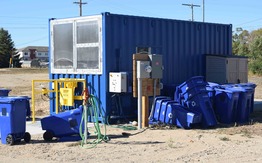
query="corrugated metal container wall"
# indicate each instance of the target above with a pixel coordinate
(182, 44)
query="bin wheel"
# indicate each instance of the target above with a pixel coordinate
(48, 136)
(10, 140)
(27, 137)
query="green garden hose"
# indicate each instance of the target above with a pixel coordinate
(93, 110)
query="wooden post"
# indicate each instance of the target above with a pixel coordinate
(145, 111)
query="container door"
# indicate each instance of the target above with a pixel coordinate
(232, 70)
(243, 70)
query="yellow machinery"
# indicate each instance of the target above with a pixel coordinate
(63, 88)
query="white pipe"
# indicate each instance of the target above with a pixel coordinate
(139, 103)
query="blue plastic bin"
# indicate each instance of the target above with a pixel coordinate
(4, 91)
(253, 86)
(201, 104)
(163, 110)
(13, 119)
(62, 124)
(157, 107)
(244, 103)
(211, 91)
(191, 83)
(226, 105)
(178, 115)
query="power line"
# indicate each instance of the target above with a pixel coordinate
(192, 8)
(80, 3)
(250, 21)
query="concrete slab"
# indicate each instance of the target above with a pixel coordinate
(34, 128)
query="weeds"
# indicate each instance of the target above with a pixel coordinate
(224, 139)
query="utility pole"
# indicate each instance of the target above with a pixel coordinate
(192, 8)
(203, 10)
(80, 3)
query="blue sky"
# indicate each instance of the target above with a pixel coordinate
(27, 20)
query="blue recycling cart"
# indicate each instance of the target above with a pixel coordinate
(4, 91)
(226, 105)
(62, 124)
(13, 119)
(244, 102)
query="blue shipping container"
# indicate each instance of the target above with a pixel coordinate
(92, 46)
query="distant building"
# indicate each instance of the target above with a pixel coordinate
(30, 53)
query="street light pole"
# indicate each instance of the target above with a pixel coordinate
(192, 8)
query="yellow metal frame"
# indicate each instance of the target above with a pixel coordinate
(58, 83)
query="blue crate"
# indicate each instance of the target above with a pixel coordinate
(157, 107)
(62, 124)
(191, 83)
(226, 105)
(178, 115)
(201, 103)
(13, 119)
(4, 91)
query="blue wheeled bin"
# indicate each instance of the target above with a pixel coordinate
(201, 103)
(178, 115)
(249, 86)
(195, 81)
(62, 124)
(244, 102)
(13, 119)
(163, 110)
(211, 91)
(4, 91)
(226, 105)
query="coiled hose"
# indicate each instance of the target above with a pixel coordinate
(93, 110)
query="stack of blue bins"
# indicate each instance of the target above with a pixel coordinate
(170, 112)
(193, 95)
(233, 102)
(62, 124)
(245, 102)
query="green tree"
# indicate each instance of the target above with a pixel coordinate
(7, 50)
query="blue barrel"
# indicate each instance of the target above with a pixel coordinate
(244, 103)
(201, 104)
(226, 105)
(12, 118)
(4, 91)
